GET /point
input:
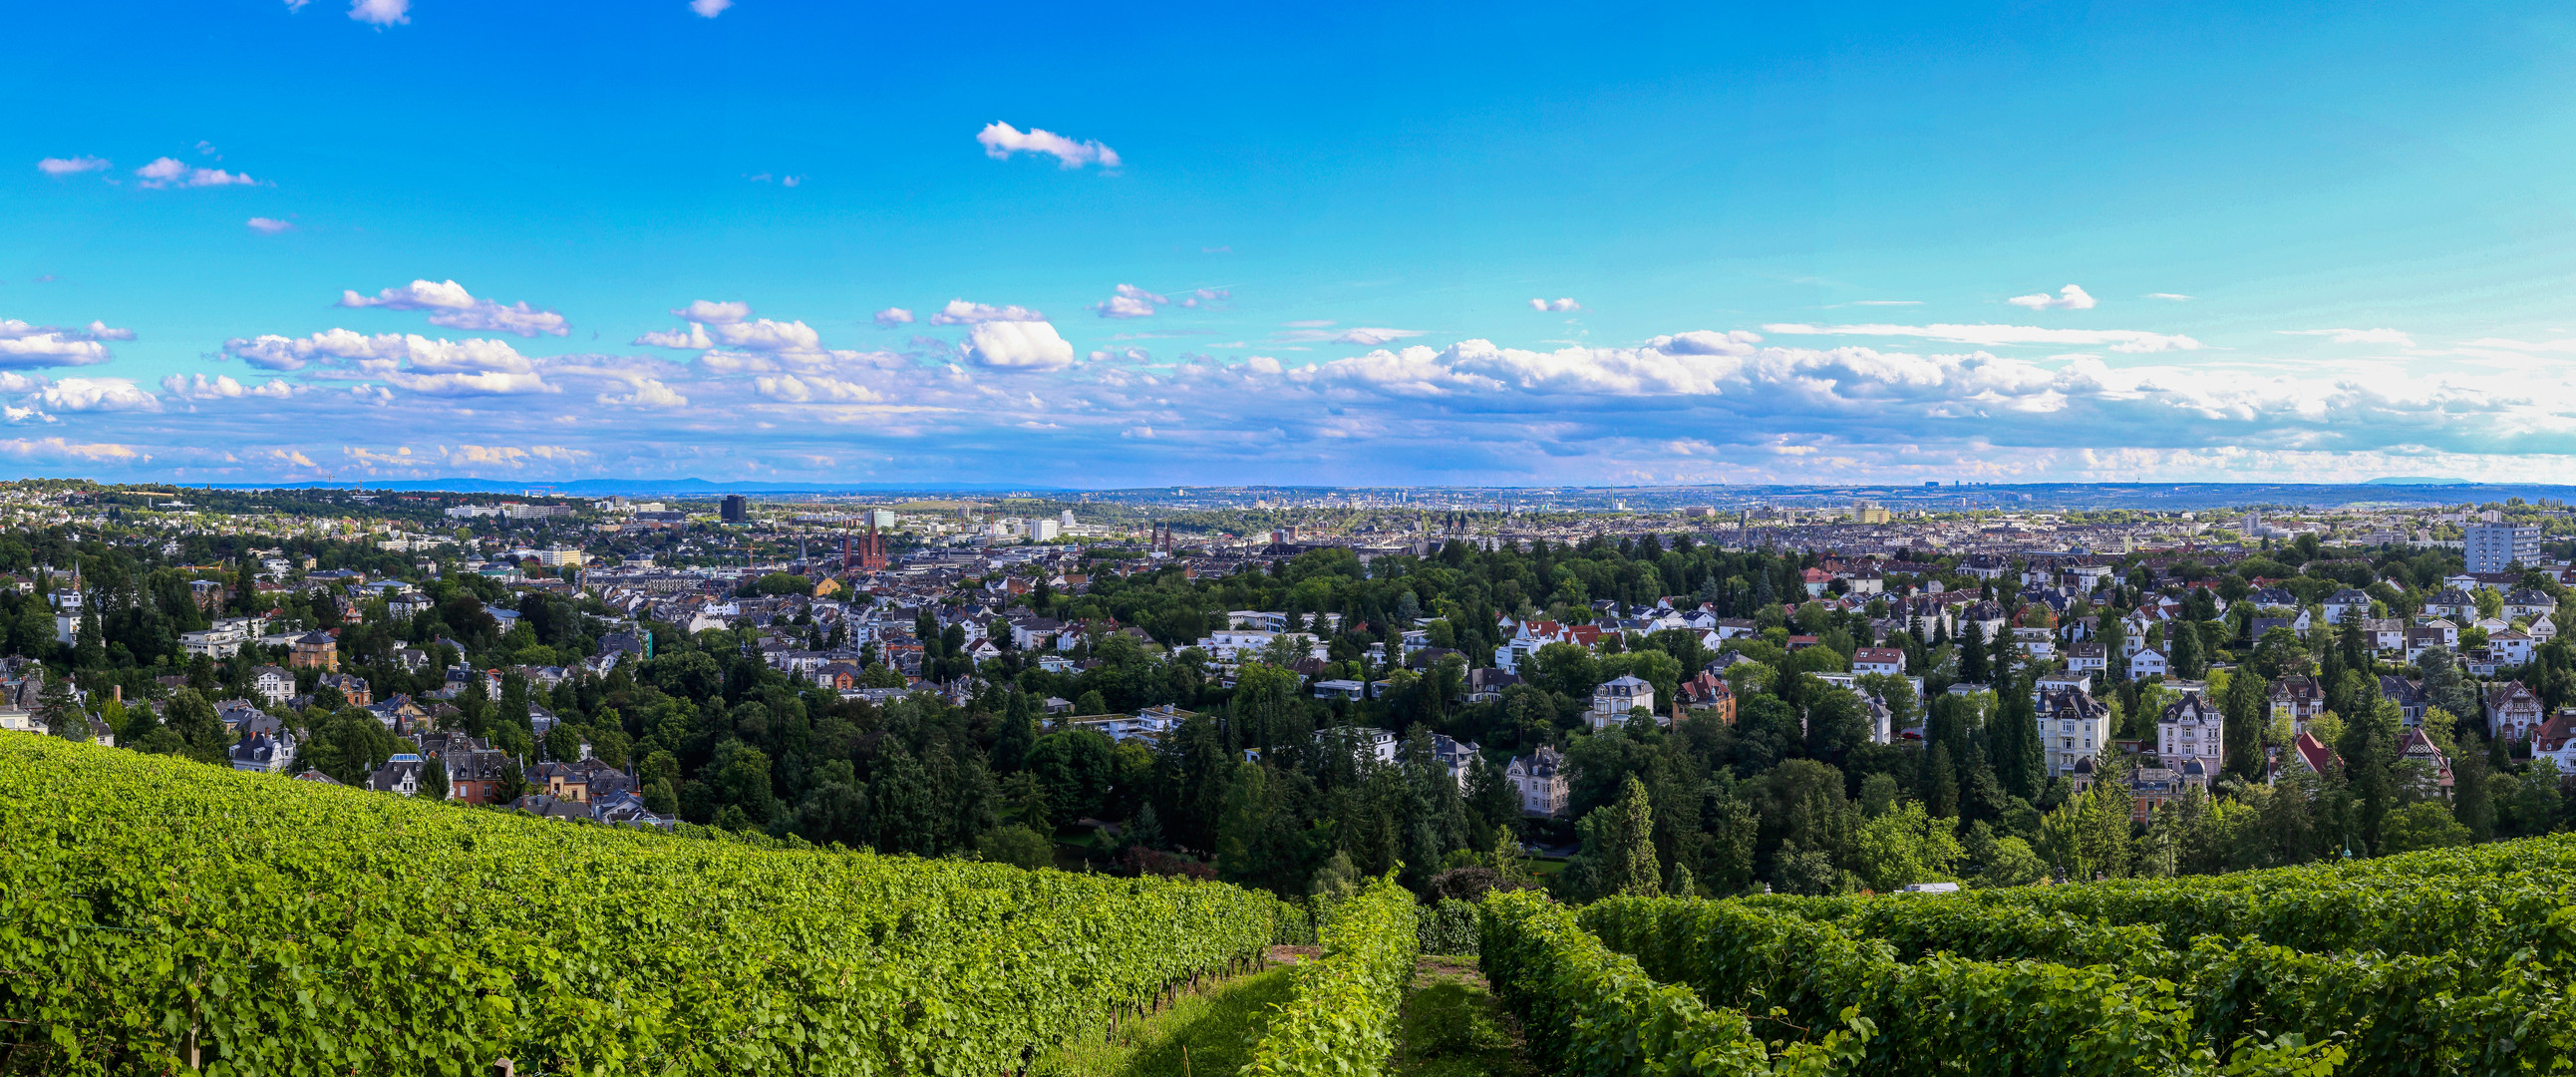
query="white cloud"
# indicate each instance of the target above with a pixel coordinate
(71, 166)
(894, 316)
(96, 394)
(2067, 298)
(167, 172)
(449, 305)
(407, 361)
(1001, 140)
(1130, 302)
(961, 312)
(1557, 305)
(709, 8)
(694, 338)
(1206, 295)
(2355, 336)
(269, 226)
(1014, 345)
(714, 313)
(815, 387)
(1996, 336)
(222, 387)
(1371, 338)
(380, 12)
(647, 393)
(2170, 297)
(23, 345)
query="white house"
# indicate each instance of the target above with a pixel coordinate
(1612, 700)
(1540, 779)
(2192, 730)
(273, 684)
(2148, 662)
(1887, 660)
(1377, 744)
(2073, 727)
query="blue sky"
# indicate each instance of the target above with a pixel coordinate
(251, 240)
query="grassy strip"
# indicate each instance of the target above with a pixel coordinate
(1207, 1033)
(1452, 1027)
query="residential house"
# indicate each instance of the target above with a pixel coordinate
(400, 775)
(2453, 603)
(1375, 743)
(2433, 769)
(2407, 694)
(2513, 712)
(2307, 754)
(1457, 757)
(272, 684)
(1541, 780)
(2148, 662)
(2297, 698)
(1613, 699)
(2348, 602)
(2073, 726)
(2192, 729)
(264, 754)
(315, 650)
(2087, 657)
(1887, 660)
(1708, 691)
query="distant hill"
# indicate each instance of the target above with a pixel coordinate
(2417, 480)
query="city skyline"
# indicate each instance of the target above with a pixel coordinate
(762, 241)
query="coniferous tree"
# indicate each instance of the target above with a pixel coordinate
(2245, 709)
(1972, 653)
(433, 779)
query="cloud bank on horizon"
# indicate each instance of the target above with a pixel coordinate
(1380, 297)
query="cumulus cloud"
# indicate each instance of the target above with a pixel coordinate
(24, 346)
(1001, 140)
(95, 394)
(1996, 336)
(2067, 298)
(71, 166)
(1130, 302)
(381, 12)
(223, 387)
(1558, 305)
(646, 393)
(714, 313)
(269, 226)
(709, 9)
(1206, 295)
(167, 172)
(1018, 345)
(694, 338)
(894, 316)
(405, 361)
(961, 312)
(449, 305)
(2355, 336)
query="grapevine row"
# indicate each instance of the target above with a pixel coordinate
(152, 908)
(1342, 1017)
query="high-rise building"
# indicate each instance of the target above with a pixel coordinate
(735, 510)
(2497, 547)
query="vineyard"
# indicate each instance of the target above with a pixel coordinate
(156, 912)
(2431, 963)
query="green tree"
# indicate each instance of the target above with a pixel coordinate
(433, 779)
(1618, 841)
(1017, 846)
(1905, 845)
(2421, 825)
(2245, 707)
